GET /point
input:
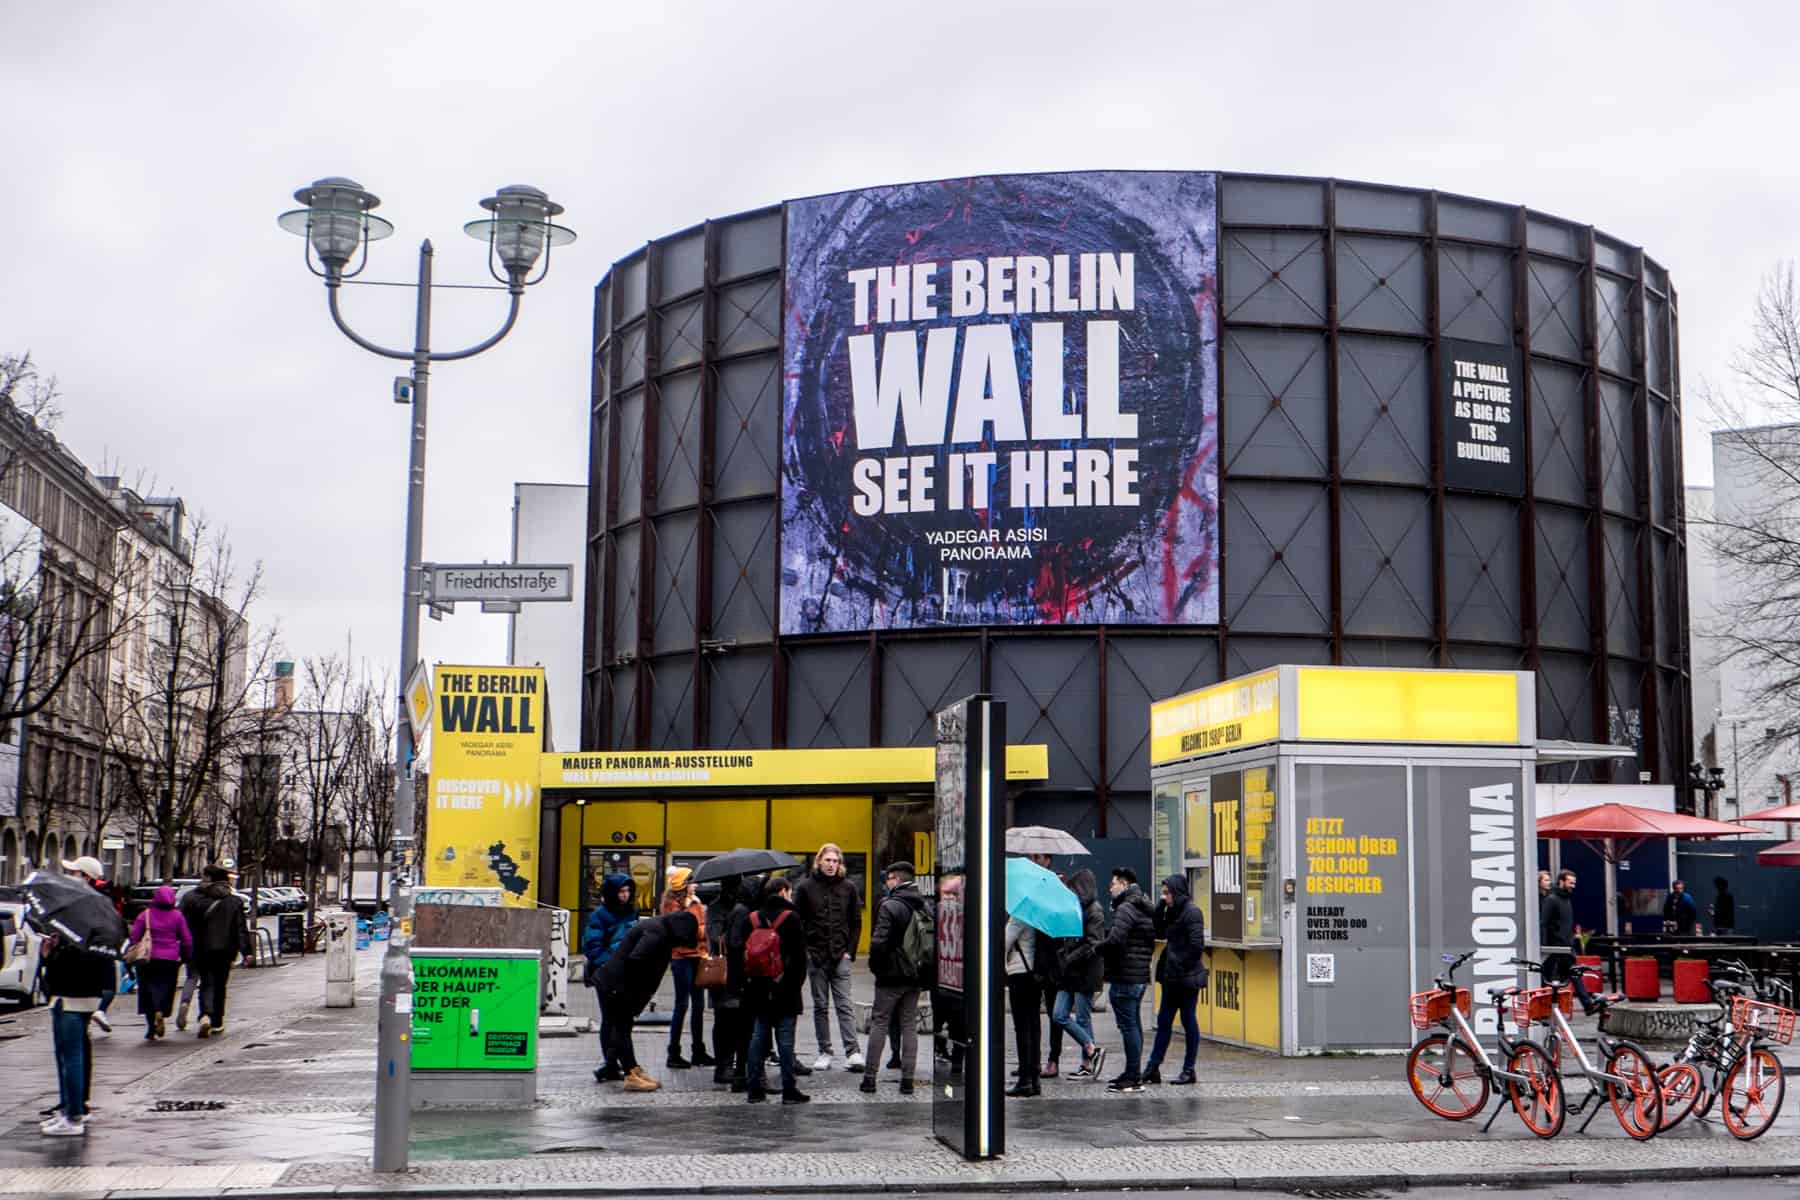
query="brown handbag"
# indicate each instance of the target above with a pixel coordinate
(711, 974)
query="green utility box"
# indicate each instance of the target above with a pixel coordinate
(475, 1009)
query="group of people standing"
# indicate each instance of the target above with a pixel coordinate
(206, 930)
(1069, 971)
(753, 951)
(762, 941)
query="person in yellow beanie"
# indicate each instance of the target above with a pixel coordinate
(679, 896)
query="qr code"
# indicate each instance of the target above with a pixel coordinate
(1321, 968)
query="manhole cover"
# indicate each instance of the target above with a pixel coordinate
(174, 1106)
(572, 1150)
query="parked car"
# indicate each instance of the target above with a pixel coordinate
(21, 950)
(292, 897)
(267, 905)
(137, 899)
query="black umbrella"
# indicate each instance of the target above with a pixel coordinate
(744, 862)
(71, 909)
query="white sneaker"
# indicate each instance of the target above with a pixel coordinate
(104, 1024)
(855, 1062)
(61, 1126)
(822, 1063)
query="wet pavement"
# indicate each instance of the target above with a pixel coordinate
(291, 1086)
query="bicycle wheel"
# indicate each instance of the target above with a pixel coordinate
(1447, 1077)
(1638, 1101)
(1751, 1097)
(1682, 1087)
(1539, 1101)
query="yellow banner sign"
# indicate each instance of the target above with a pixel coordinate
(487, 735)
(1479, 707)
(639, 770)
(1240, 712)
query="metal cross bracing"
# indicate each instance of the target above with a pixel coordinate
(1335, 297)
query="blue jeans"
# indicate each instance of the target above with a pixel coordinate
(682, 972)
(1074, 1011)
(1182, 1000)
(69, 1033)
(1125, 999)
(759, 1051)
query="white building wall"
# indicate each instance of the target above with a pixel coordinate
(1724, 690)
(550, 526)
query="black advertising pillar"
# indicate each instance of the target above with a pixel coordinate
(968, 1113)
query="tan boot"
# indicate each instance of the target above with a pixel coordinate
(637, 1081)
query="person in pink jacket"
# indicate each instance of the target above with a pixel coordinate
(171, 944)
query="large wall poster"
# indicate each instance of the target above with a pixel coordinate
(1000, 404)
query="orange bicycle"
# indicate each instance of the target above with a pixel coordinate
(1626, 1078)
(1451, 1073)
(1728, 1058)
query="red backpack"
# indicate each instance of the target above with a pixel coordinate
(762, 953)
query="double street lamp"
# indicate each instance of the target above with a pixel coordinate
(338, 223)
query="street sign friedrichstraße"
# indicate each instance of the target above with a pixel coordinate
(449, 583)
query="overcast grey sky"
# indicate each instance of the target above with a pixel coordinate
(148, 149)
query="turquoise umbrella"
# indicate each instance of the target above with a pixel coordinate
(1039, 899)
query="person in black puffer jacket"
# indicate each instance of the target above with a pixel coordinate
(1182, 972)
(1127, 952)
(725, 1004)
(742, 1021)
(629, 980)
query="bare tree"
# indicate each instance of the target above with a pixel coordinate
(1756, 535)
(176, 746)
(369, 805)
(328, 729)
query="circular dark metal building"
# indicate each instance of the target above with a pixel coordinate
(1417, 429)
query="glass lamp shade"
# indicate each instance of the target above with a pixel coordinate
(336, 218)
(520, 226)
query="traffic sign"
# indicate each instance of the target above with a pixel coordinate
(418, 701)
(448, 583)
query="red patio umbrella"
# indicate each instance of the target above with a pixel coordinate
(1787, 812)
(1604, 826)
(1785, 855)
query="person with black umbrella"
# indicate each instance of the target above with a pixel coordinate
(84, 935)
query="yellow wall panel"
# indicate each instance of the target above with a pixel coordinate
(603, 818)
(1262, 998)
(568, 876)
(804, 823)
(1227, 986)
(807, 822)
(1203, 1011)
(714, 826)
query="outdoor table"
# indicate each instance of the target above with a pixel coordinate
(1664, 947)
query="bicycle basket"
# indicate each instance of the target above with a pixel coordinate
(1769, 1021)
(1530, 1004)
(1433, 1007)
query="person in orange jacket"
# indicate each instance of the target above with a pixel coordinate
(679, 897)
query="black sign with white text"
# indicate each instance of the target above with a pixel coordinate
(1484, 430)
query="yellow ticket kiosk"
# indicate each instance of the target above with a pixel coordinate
(1342, 828)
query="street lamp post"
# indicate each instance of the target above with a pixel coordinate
(338, 224)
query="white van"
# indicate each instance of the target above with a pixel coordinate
(21, 949)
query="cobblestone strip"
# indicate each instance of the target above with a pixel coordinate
(1237, 1164)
